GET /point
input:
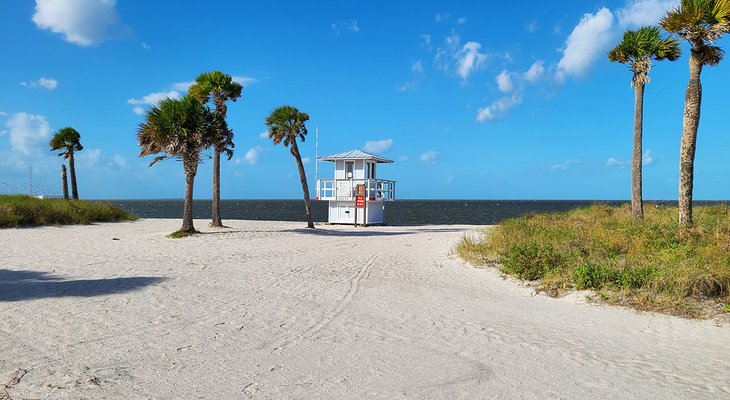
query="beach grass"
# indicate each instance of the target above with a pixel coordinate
(22, 210)
(650, 264)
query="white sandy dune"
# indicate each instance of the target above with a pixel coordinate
(270, 310)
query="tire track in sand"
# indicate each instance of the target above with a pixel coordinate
(346, 300)
(355, 283)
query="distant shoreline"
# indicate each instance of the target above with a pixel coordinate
(397, 213)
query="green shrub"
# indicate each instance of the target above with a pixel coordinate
(651, 263)
(18, 210)
(589, 276)
(530, 262)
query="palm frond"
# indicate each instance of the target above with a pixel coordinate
(179, 128)
(286, 124)
(68, 139)
(639, 47)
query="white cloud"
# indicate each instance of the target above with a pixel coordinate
(403, 158)
(532, 26)
(430, 157)
(152, 99)
(425, 40)
(2, 113)
(648, 158)
(118, 162)
(82, 22)
(413, 84)
(563, 165)
(504, 82)
(450, 179)
(182, 86)
(469, 59)
(378, 146)
(446, 52)
(461, 21)
(586, 43)
(145, 46)
(440, 17)
(535, 72)
(499, 108)
(417, 67)
(264, 135)
(244, 80)
(95, 158)
(47, 83)
(351, 26)
(27, 132)
(253, 155)
(644, 12)
(615, 162)
(306, 160)
(90, 157)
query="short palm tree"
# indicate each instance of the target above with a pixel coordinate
(220, 88)
(700, 23)
(638, 48)
(181, 129)
(285, 125)
(69, 141)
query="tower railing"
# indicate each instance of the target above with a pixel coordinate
(346, 189)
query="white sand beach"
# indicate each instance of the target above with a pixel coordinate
(271, 310)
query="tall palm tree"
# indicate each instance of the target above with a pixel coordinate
(68, 140)
(220, 88)
(180, 129)
(638, 48)
(286, 124)
(700, 23)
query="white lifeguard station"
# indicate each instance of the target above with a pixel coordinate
(356, 195)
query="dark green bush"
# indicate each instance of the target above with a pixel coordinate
(27, 210)
(589, 276)
(530, 262)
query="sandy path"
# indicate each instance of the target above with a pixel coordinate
(268, 310)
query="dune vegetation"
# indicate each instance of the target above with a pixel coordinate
(23, 210)
(649, 264)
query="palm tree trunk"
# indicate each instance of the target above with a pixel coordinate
(187, 224)
(72, 168)
(690, 123)
(216, 212)
(64, 181)
(303, 178)
(637, 202)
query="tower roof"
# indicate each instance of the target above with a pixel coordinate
(355, 155)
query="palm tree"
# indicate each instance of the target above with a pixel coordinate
(286, 124)
(220, 87)
(68, 140)
(181, 129)
(701, 23)
(638, 48)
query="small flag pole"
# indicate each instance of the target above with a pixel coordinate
(316, 159)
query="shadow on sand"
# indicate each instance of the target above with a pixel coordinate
(367, 232)
(343, 233)
(28, 285)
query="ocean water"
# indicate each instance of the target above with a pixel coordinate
(400, 212)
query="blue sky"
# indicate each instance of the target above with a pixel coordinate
(471, 99)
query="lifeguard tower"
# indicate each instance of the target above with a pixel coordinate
(356, 196)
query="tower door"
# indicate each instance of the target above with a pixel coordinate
(345, 213)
